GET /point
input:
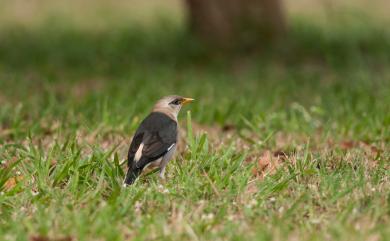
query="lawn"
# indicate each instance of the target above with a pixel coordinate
(290, 144)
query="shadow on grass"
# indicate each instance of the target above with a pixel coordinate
(61, 48)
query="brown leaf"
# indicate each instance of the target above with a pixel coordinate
(11, 182)
(375, 151)
(281, 155)
(39, 238)
(46, 238)
(370, 150)
(228, 127)
(266, 163)
(345, 145)
(53, 162)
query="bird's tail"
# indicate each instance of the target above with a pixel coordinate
(131, 176)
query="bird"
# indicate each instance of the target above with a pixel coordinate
(154, 143)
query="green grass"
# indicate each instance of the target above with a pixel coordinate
(70, 101)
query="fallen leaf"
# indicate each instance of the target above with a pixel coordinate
(46, 238)
(228, 127)
(281, 155)
(266, 163)
(11, 182)
(345, 145)
(370, 150)
(375, 151)
(39, 238)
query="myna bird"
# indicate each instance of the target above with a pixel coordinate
(154, 142)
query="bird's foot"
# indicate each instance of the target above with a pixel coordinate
(162, 178)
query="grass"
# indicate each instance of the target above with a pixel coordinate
(290, 145)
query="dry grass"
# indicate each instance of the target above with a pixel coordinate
(97, 14)
(91, 14)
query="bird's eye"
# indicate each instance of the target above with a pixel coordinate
(176, 102)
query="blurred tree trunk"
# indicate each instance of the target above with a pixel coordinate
(236, 23)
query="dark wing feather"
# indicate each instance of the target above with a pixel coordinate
(157, 132)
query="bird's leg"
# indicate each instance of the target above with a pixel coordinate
(163, 165)
(162, 172)
(167, 157)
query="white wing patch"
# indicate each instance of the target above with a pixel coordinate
(169, 148)
(138, 154)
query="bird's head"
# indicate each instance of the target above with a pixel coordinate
(171, 105)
